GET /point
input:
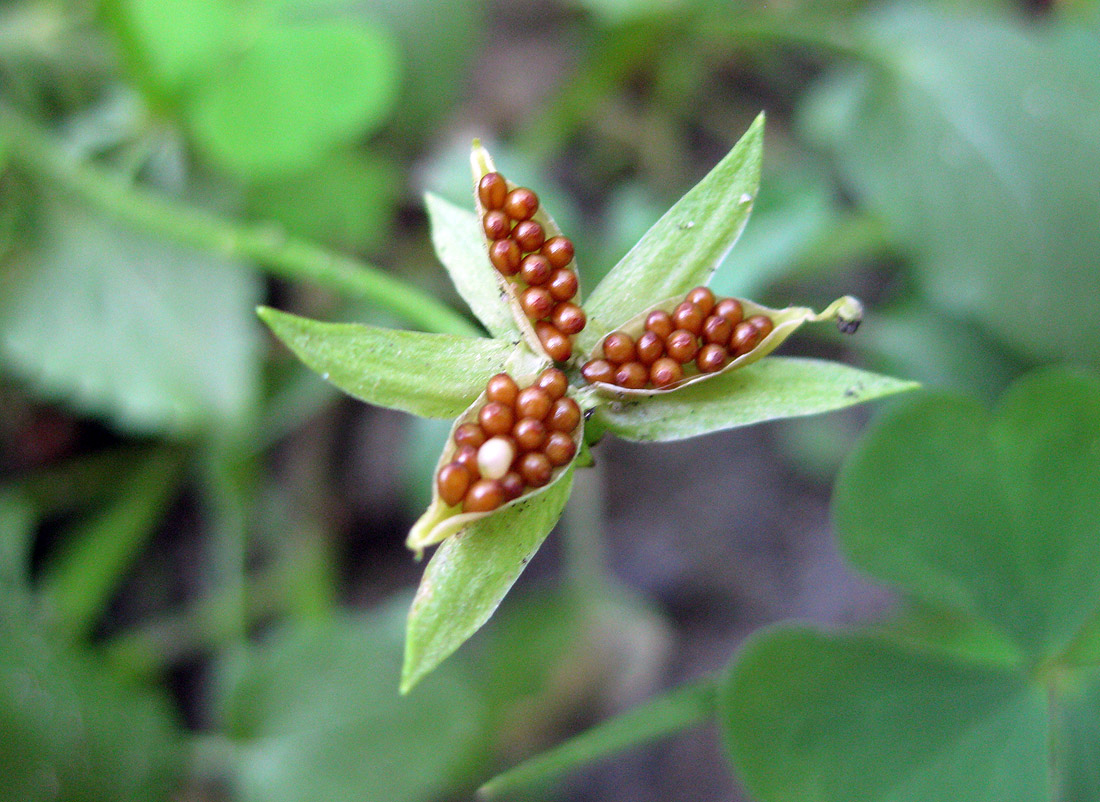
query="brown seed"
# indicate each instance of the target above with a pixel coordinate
(556, 344)
(559, 448)
(650, 348)
(503, 389)
(711, 357)
(703, 298)
(598, 370)
(619, 347)
(688, 316)
(554, 382)
(470, 434)
(529, 235)
(632, 375)
(665, 371)
(491, 190)
(682, 346)
(731, 310)
(744, 338)
(512, 484)
(763, 325)
(496, 224)
(535, 468)
(660, 323)
(533, 402)
(496, 418)
(716, 329)
(537, 302)
(521, 203)
(564, 415)
(505, 256)
(484, 495)
(562, 284)
(529, 433)
(559, 250)
(535, 269)
(453, 482)
(466, 456)
(568, 317)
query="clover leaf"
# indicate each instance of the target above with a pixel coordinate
(990, 687)
(484, 550)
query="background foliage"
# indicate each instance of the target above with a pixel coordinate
(201, 569)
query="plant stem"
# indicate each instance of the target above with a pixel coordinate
(266, 245)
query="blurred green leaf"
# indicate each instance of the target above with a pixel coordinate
(993, 516)
(69, 731)
(924, 626)
(18, 519)
(471, 572)
(774, 387)
(315, 716)
(1077, 712)
(347, 200)
(684, 247)
(156, 337)
(972, 136)
(433, 375)
(834, 718)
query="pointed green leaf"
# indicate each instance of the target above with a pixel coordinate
(836, 718)
(685, 246)
(459, 244)
(471, 572)
(775, 387)
(992, 516)
(432, 375)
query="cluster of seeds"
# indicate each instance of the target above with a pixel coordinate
(520, 250)
(520, 437)
(702, 334)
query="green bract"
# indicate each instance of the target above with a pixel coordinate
(482, 554)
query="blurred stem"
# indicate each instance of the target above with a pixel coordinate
(585, 557)
(754, 30)
(268, 246)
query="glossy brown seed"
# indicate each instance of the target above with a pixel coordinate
(470, 434)
(716, 329)
(453, 482)
(744, 338)
(681, 345)
(554, 382)
(731, 310)
(496, 224)
(496, 418)
(466, 456)
(484, 495)
(660, 323)
(763, 325)
(562, 284)
(513, 485)
(537, 302)
(598, 370)
(559, 250)
(533, 402)
(688, 316)
(529, 434)
(665, 371)
(619, 347)
(559, 448)
(535, 269)
(505, 256)
(564, 415)
(568, 317)
(529, 235)
(556, 344)
(711, 357)
(632, 375)
(521, 203)
(703, 298)
(491, 190)
(535, 468)
(501, 388)
(650, 348)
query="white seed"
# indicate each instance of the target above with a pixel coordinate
(494, 458)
